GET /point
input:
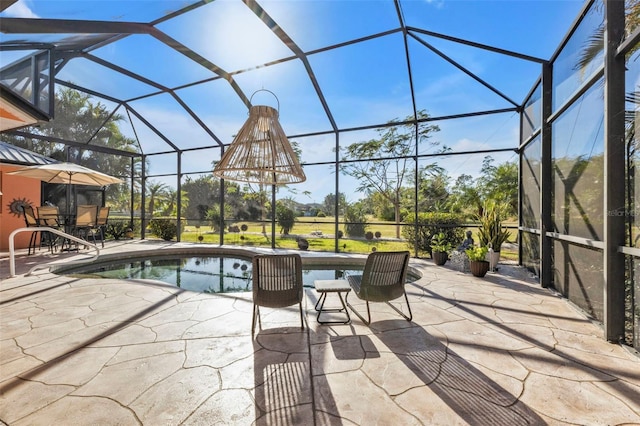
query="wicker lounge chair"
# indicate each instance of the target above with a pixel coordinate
(382, 280)
(277, 283)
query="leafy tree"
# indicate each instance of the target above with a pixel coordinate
(355, 220)
(381, 207)
(213, 216)
(433, 192)
(79, 118)
(203, 192)
(465, 197)
(499, 183)
(329, 203)
(285, 217)
(381, 165)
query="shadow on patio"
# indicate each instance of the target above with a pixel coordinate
(498, 350)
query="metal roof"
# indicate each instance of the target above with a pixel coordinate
(10, 154)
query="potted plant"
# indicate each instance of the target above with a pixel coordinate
(491, 234)
(477, 263)
(440, 248)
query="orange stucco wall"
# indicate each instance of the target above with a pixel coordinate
(12, 188)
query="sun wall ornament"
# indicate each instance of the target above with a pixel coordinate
(16, 206)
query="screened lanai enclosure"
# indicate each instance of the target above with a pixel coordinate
(403, 122)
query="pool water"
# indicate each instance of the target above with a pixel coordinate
(206, 274)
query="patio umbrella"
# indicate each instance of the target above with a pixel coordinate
(66, 173)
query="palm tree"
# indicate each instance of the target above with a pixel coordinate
(156, 192)
(595, 43)
(172, 201)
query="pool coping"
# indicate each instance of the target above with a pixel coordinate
(308, 258)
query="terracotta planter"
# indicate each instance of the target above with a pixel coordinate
(440, 257)
(479, 268)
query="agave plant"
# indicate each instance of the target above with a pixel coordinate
(491, 229)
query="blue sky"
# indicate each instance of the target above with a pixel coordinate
(364, 84)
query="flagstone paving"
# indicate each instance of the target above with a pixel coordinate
(498, 350)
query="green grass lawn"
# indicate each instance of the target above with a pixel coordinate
(305, 226)
(282, 241)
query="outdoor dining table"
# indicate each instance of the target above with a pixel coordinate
(68, 222)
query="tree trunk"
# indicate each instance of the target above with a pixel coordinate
(396, 208)
(263, 198)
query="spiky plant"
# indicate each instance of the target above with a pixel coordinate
(491, 229)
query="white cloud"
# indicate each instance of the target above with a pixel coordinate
(20, 9)
(438, 4)
(469, 145)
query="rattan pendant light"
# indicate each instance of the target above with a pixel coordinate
(261, 152)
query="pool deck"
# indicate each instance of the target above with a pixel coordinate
(497, 350)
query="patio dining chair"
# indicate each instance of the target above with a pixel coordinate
(277, 283)
(31, 221)
(101, 223)
(86, 219)
(382, 280)
(49, 216)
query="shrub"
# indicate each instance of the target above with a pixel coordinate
(386, 212)
(117, 228)
(213, 216)
(356, 220)
(164, 228)
(431, 224)
(321, 214)
(286, 218)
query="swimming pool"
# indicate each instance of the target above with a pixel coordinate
(201, 273)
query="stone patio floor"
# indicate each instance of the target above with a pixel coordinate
(497, 350)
